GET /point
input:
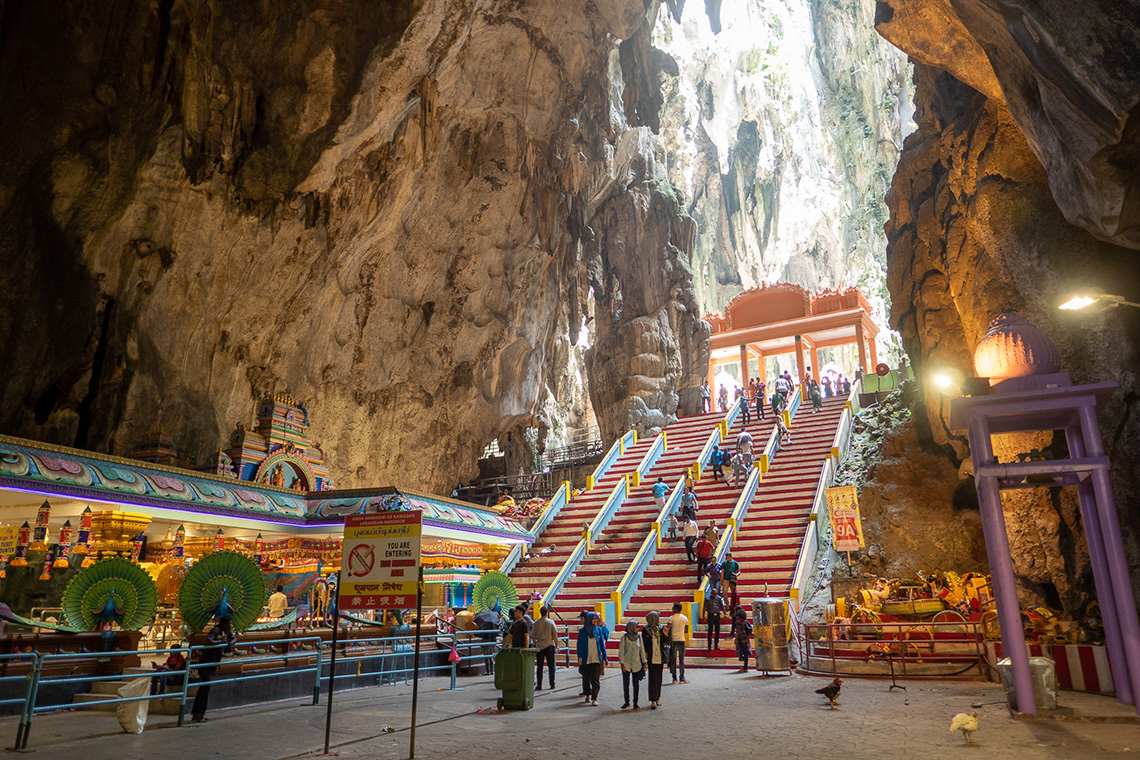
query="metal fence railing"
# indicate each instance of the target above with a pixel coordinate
(60, 674)
(29, 680)
(911, 650)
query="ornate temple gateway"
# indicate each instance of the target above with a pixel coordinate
(784, 318)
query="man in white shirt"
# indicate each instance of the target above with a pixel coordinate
(679, 636)
(546, 642)
(277, 604)
(690, 535)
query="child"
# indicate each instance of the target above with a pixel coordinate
(673, 526)
(742, 635)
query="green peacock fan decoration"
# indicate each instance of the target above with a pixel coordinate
(113, 590)
(494, 592)
(220, 584)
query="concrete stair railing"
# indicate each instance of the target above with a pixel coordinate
(615, 451)
(807, 560)
(560, 499)
(589, 538)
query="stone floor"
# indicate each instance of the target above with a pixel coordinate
(719, 713)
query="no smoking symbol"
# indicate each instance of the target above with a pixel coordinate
(361, 560)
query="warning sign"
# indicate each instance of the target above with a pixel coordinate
(381, 561)
(846, 528)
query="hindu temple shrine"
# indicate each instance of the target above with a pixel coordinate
(343, 341)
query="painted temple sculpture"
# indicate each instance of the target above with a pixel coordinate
(277, 451)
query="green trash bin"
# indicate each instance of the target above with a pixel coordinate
(514, 675)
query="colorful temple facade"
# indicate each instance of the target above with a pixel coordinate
(278, 450)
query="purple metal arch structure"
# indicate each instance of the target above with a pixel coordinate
(1051, 403)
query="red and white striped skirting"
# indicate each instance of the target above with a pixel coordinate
(1080, 667)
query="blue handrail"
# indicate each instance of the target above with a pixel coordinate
(563, 575)
(616, 450)
(557, 502)
(612, 503)
(731, 415)
(714, 439)
(650, 458)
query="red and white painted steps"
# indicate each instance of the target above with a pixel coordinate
(602, 570)
(669, 574)
(565, 530)
(768, 541)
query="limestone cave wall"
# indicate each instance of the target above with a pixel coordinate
(1019, 186)
(782, 129)
(400, 212)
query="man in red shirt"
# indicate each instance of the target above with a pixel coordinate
(704, 555)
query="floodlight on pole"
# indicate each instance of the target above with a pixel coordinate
(1105, 301)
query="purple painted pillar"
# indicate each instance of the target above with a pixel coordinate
(1001, 567)
(1114, 550)
(1117, 662)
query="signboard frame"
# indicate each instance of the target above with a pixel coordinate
(385, 548)
(846, 525)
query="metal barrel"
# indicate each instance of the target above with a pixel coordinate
(770, 632)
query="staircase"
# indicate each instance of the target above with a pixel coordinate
(601, 571)
(560, 538)
(767, 544)
(670, 577)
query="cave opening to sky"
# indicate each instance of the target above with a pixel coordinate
(783, 127)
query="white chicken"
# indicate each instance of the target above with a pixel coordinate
(967, 724)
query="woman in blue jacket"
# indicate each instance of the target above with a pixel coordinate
(591, 655)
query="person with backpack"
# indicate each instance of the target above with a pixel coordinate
(656, 655)
(742, 635)
(546, 642)
(744, 446)
(592, 655)
(631, 656)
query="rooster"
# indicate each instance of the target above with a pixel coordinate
(967, 724)
(831, 691)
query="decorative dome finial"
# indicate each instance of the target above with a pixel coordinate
(1014, 347)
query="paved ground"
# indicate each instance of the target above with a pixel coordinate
(719, 713)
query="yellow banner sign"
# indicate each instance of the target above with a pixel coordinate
(8, 540)
(846, 527)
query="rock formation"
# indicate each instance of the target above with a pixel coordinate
(782, 128)
(916, 515)
(398, 212)
(1013, 191)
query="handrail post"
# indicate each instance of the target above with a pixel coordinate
(34, 686)
(29, 703)
(185, 688)
(317, 685)
(454, 665)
